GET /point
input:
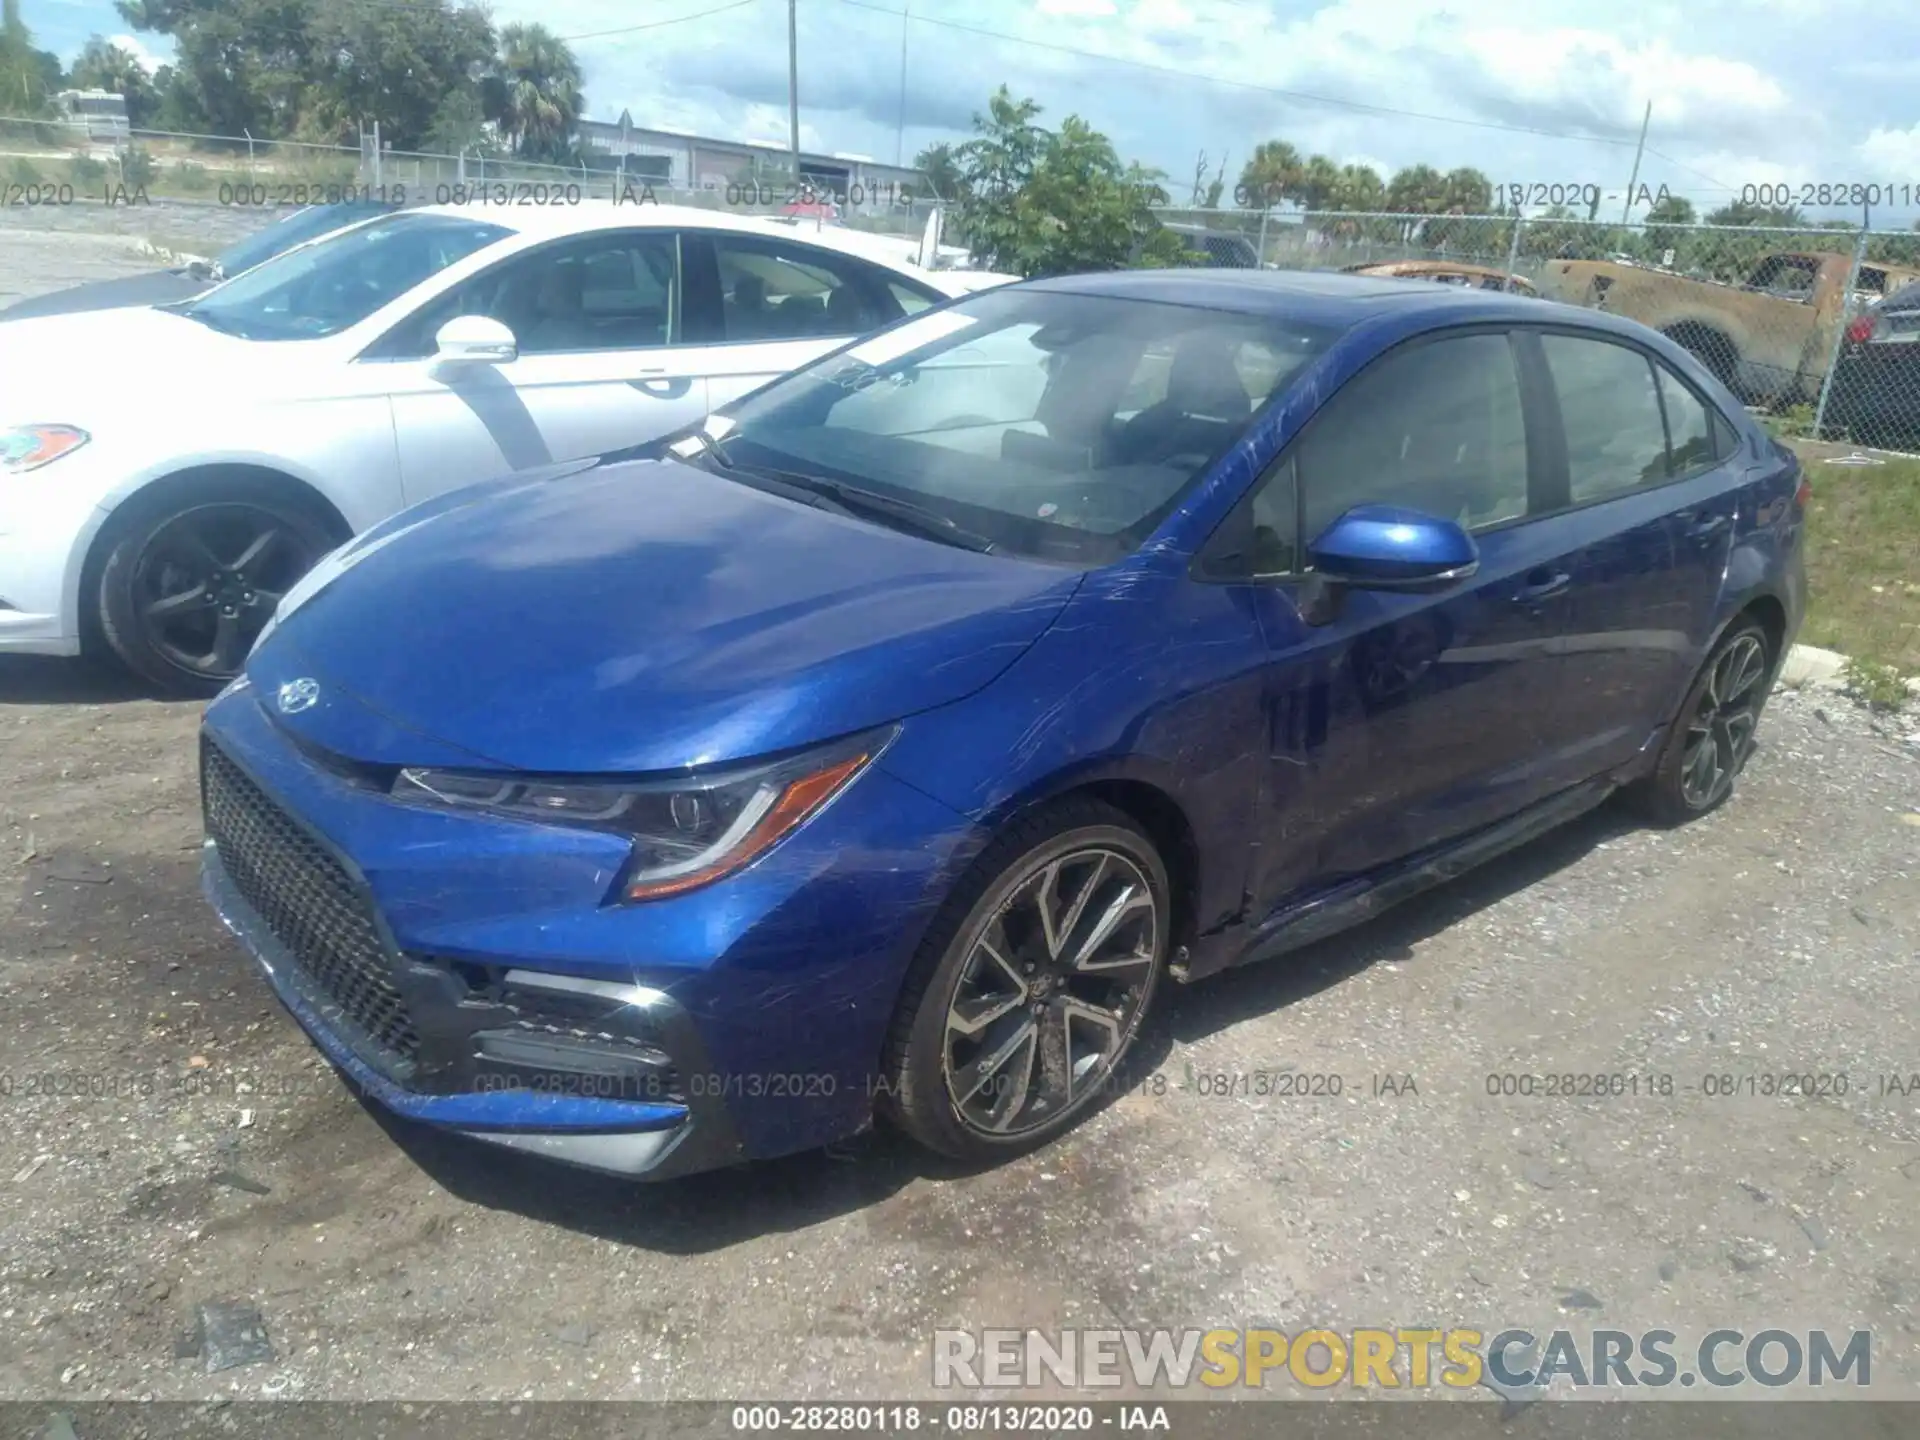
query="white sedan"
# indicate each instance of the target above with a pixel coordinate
(167, 473)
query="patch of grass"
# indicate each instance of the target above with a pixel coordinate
(1791, 423)
(1877, 686)
(1863, 564)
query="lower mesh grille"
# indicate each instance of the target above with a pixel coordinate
(307, 900)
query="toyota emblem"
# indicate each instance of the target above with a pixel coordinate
(298, 695)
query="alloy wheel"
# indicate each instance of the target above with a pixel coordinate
(209, 579)
(1051, 992)
(1720, 732)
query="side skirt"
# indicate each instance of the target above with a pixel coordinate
(1356, 901)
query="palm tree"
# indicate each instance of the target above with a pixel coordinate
(533, 94)
(1417, 190)
(1318, 183)
(1360, 188)
(942, 168)
(1271, 175)
(1467, 192)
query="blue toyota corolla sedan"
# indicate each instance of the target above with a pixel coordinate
(887, 746)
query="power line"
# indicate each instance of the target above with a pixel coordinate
(657, 24)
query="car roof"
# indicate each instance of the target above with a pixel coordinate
(588, 215)
(1316, 297)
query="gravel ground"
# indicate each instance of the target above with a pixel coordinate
(48, 247)
(211, 1157)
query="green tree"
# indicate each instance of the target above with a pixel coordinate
(941, 169)
(1774, 216)
(1317, 184)
(399, 62)
(1466, 191)
(103, 65)
(533, 93)
(459, 126)
(1670, 211)
(1036, 202)
(240, 66)
(1417, 190)
(1271, 174)
(26, 88)
(1360, 188)
(314, 68)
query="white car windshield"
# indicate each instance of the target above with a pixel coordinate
(1057, 425)
(323, 288)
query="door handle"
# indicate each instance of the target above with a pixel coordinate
(1542, 586)
(1711, 528)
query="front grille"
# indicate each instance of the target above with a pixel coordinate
(307, 900)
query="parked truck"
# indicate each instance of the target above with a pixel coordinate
(1770, 338)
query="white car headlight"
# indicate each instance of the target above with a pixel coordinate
(28, 447)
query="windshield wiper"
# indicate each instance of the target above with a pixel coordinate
(854, 500)
(889, 509)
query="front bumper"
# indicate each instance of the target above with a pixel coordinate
(752, 1014)
(656, 1140)
(48, 519)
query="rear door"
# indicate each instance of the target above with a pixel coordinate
(1652, 481)
(765, 304)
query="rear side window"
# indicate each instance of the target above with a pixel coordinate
(779, 290)
(1610, 406)
(1691, 439)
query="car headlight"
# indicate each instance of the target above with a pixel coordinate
(686, 832)
(28, 447)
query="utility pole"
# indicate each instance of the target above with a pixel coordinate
(900, 134)
(1638, 150)
(793, 84)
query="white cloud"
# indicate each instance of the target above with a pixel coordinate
(1084, 9)
(137, 48)
(1890, 156)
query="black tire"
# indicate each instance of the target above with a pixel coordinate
(1722, 708)
(182, 594)
(1711, 348)
(952, 985)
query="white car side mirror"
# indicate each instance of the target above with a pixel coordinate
(475, 338)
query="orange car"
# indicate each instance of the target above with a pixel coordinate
(1447, 272)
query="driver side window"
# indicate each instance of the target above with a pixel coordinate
(613, 291)
(1434, 427)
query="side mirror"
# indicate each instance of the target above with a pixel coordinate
(475, 338)
(1385, 547)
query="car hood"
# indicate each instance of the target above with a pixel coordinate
(638, 616)
(156, 287)
(65, 367)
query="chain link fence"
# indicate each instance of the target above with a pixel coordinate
(1809, 326)
(59, 163)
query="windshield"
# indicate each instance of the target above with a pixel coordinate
(337, 282)
(1055, 425)
(291, 230)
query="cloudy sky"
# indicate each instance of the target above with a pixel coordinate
(1758, 92)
